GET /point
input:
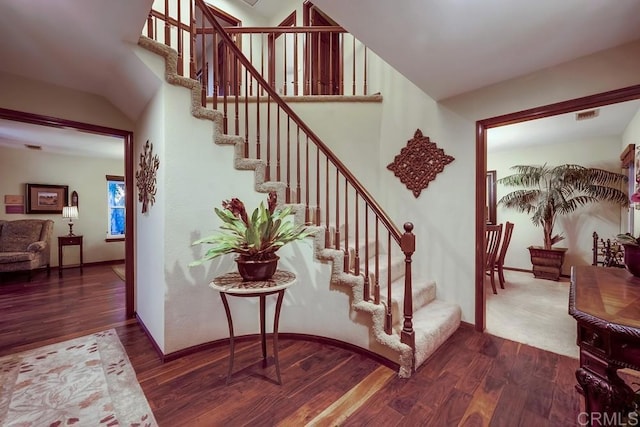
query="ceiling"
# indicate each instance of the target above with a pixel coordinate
(79, 44)
(448, 47)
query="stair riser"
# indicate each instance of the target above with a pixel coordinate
(431, 336)
(397, 271)
(421, 297)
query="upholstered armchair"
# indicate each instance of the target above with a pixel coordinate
(25, 245)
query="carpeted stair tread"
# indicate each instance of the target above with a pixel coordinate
(397, 269)
(371, 243)
(433, 324)
(423, 292)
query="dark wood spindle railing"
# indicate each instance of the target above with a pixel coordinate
(388, 318)
(274, 63)
(307, 154)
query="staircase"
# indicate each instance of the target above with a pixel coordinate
(377, 273)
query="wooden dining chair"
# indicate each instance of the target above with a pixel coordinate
(506, 238)
(491, 244)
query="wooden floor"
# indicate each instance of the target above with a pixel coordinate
(473, 380)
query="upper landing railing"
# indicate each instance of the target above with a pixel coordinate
(294, 60)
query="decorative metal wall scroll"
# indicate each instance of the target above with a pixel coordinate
(419, 162)
(146, 176)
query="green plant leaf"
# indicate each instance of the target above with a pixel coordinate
(264, 234)
(548, 192)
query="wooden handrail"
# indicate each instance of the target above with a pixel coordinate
(370, 201)
(172, 21)
(275, 30)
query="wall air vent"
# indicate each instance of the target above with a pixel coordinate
(33, 147)
(251, 2)
(586, 115)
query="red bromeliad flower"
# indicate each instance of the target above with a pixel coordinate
(236, 207)
(273, 201)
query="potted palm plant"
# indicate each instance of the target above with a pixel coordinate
(255, 239)
(550, 191)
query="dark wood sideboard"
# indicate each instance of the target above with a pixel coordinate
(606, 305)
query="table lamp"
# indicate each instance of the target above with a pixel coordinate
(70, 212)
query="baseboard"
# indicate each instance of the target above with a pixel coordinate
(110, 262)
(155, 345)
(524, 270)
(284, 335)
(95, 264)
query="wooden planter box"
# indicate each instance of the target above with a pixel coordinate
(547, 263)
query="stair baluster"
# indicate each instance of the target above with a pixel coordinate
(408, 246)
(367, 283)
(388, 317)
(346, 226)
(376, 274)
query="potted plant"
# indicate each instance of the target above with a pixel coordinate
(550, 191)
(255, 239)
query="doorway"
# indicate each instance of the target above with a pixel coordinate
(323, 55)
(216, 70)
(592, 101)
(127, 138)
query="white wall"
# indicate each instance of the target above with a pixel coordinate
(578, 228)
(85, 175)
(354, 129)
(443, 214)
(150, 236)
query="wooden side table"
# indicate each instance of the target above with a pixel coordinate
(233, 285)
(68, 241)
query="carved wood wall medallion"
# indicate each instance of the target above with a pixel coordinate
(419, 162)
(146, 176)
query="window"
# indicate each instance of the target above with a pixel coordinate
(116, 207)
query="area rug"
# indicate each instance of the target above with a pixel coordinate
(87, 381)
(119, 270)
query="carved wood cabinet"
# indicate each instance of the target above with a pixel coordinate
(606, 305)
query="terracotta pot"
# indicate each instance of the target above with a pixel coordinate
(632, 259)
(252, 270)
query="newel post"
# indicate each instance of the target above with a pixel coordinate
(408, 246)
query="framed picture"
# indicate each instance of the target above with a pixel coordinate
(45, 198)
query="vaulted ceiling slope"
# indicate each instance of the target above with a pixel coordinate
(450, 47)
(79, 44)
